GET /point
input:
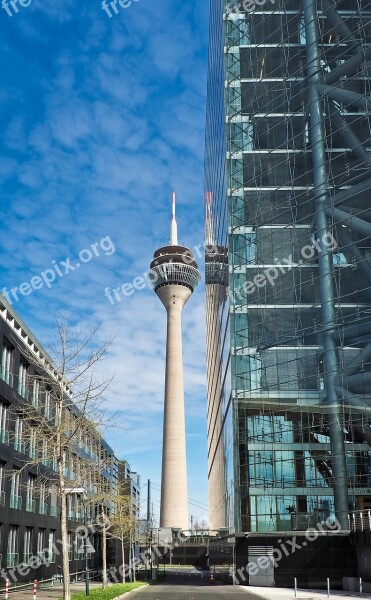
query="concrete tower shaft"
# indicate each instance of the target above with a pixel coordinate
(174, 277)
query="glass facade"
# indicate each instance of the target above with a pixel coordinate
(287, 184)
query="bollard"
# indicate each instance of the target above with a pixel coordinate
(296, 587)
(34, 589)
(6, 589)
(360, 587)
(328, 587)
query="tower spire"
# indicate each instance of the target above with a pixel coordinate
(174, 226)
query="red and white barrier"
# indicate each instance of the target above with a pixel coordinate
(7, 583)
(34, 589)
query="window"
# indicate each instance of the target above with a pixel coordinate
(12, 553)
(2, 490)
(43, 507)
(30, 502)
(6, 371)
(53, 501)
(51, 546)
(44, 452)
(70, 546)
(41, 543)
(32, 443)
(36, 393)
(18, 435)
(15, 498)
(27, 544)
(47, 404)
(4, 435)
(22, 379)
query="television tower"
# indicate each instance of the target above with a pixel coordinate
(174, 277)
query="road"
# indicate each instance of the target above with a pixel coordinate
(185, 587)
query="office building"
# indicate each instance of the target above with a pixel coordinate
(287, 186)
(29, 498)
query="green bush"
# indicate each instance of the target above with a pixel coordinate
(111, 592)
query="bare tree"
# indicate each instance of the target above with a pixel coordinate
(123, 528)
(62, 414)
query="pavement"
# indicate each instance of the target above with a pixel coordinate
(289, 594)
(188, 584)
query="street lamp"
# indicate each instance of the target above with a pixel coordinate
(80, 491)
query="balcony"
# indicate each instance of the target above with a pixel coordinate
(30, 505)
(12, 559)
(35, 401)
(23, 391)
(2, 498)
(27, 556)
(19, 446)
(360, 520)
(4, 437)
(16, 502)
(43, 508)
(6, 376)
(53, 511)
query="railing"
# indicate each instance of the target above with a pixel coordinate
(23, 391)
(6, 376)
(30, 505)
(12, 559)
(19, 446)
(53, 511)
(16, 502)
(43, 508)
(360, 520)
(93, 574)
(4, 437)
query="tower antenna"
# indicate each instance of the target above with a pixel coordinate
(174, 226)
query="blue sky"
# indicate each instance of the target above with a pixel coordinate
(102, 118)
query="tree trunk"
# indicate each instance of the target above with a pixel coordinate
(123, 559)
(104, 551)
(63, 501)
(133, 558)
(64, 537)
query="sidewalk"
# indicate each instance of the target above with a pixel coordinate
(289, 594)
(53, 592)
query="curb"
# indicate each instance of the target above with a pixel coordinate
(130, 592)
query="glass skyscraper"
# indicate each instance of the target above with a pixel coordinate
(288, 262)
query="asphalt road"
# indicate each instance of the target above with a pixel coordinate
(183, 587)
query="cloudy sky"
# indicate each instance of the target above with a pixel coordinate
(102, 117)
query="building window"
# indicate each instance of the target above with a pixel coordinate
(27, 544)
(15, 498)
(4, 434)
(44, 453)
(32, 443)
(30, 502)
(18, 435)
(47, 404)
(6, 372)
(12, 553)
(41, 543)
(35, 393)
(43, 507)
(51, 547)
(2, 490)
(70, 546)
(22, 379)
(53, 501)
